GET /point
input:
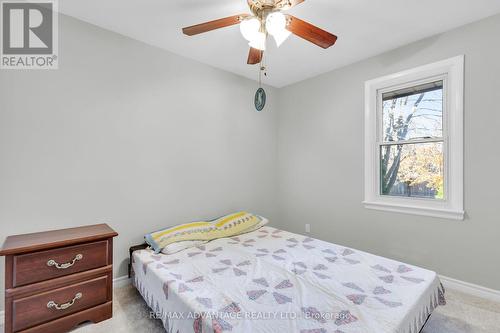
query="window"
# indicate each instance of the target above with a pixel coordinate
(411, 145)
(414, 141)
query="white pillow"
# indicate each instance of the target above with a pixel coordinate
(182, 245)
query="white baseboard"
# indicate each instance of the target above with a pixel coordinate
(470, 288)
(121, 281)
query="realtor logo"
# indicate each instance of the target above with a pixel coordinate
(29, 35)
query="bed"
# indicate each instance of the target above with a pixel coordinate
(271, 280)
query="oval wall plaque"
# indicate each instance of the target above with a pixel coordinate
(260, 99)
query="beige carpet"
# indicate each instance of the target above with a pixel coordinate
(462, 314)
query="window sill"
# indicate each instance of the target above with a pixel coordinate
(416, 210)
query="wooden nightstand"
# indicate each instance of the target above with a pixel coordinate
(58, 279)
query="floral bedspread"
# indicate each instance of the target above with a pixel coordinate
(273, 281)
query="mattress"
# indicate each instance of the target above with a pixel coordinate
(273, 281)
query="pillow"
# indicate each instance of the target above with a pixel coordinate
(179, 246)
(225, 226)
(182, 245)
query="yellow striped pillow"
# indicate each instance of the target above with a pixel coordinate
(225, 226)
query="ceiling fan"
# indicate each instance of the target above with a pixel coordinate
(267, 18)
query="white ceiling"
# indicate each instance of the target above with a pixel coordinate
(365, 28)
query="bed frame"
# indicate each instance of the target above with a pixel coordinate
(130, 251)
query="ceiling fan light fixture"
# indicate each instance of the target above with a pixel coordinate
(267, 18)
(250, 28)
(275, 22)
(281, 37)
(259, 41)
(276, 27)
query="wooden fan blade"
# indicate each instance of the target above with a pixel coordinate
(254, 56)
(212, 25)
(310, 32)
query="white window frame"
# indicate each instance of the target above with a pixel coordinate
(451, 71)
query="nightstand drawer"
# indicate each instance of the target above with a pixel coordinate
(44, 265)
(37, 309)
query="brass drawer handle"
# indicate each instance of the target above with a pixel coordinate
(52, 262)
(64, 306)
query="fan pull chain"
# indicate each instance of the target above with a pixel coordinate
(262, 69)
